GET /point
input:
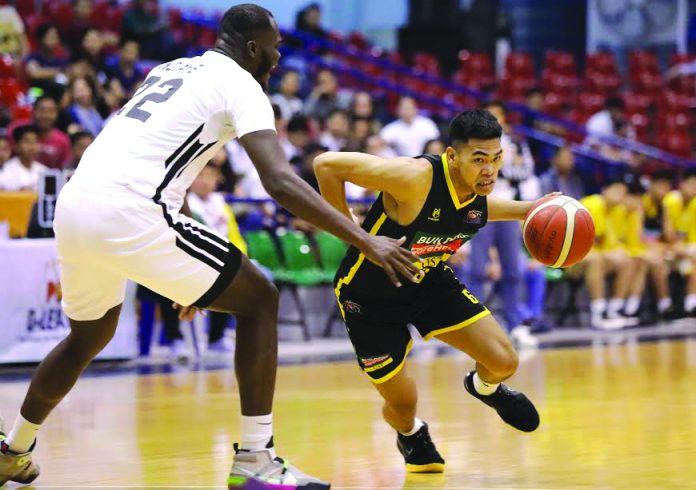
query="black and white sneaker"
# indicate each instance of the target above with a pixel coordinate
(512, 406)
(419, 452)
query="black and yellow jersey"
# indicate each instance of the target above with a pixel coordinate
(443, 225)
(654, 216)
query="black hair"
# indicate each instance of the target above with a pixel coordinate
(477, 123)
(42, 98)
(242, 20)
(42, 30)
(77, 135)
(533, 90)
(277, 113)
(635, 186)
(689, 173)
(614, 103)
(662, 174)
(21, 131)
(298, 123)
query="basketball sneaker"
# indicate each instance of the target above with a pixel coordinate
(512, 406)
(17, 467)
(274, 473)
(419, 452)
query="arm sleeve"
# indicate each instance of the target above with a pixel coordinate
(248, 109)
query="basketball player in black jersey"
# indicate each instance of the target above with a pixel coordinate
(433, 204)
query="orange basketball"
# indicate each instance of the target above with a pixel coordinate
(558, 231)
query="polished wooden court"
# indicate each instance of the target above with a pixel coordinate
(613, 417)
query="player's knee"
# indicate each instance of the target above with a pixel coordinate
(504, 362)
(403, 406)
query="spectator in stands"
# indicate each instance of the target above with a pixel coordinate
(435, 147)
(325, 96)
(45, 67)
(22, 173)
(13, 39)
(89, 58)
(297, 135)
(375, 145)
(409, 133)
(360, 130)
(561, 176)
(83, 109)
(309, 20)
(54, 144)
(516, 180)
(607, 121)
(124, 67)
(226, 180)
(80, 22)
(143, 26)
(361, 105)
(286, 98)
(335, 136)
(79, 141)
(306, 171)
(608, 256)
(5, 149)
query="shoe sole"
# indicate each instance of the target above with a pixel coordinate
(237, 482)
(26, 481)
(425, 468)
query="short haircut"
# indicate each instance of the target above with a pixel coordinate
(298, 123)
(78, 135)
(614, 103)
(20, 132)
(690, 173)
(242, 20)
(635, 186)
(337, 110)
(277, 113)
(477, 124)
(663, 174)
(42, 98)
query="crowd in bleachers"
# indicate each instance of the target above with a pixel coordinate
(66, 70)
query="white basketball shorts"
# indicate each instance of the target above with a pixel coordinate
(104, 240)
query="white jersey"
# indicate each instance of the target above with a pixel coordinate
(177, 120)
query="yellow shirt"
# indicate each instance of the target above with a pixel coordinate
(675, 212)
(691, 221)
(615, 228)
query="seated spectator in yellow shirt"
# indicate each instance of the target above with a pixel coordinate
(608, 256)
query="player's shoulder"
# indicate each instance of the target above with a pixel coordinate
(672, 198)
(593, 201)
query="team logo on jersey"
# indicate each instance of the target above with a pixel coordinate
(436, 215)
(425, 244)
(474, 216)
(352, 307)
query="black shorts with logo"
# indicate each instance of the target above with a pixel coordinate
(378, 329)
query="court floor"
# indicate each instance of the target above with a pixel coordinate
(613, 417)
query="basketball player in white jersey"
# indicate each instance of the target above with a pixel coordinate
(120, 218)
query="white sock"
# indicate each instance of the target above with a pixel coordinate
(256, 432)
(483, 388)
(417, 424)
(632, 305)
(614, 306)
(597, 307)
(663, 304)
(22, 435)
(690, 302)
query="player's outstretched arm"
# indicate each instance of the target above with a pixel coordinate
(293, 193)
(508, 210)
(401, 177)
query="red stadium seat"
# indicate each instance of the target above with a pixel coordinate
(641, 124)
(590, 103)
(679, 58)
(601, 62)
(553, 103)
(560, 62)
(640, 61)
(478, 64)
(647, 82)
(636, 103)
(22, 112)
(559, 83)
(516, 87)
(7, 68)
(674, 121)
(603, 83)
(519, 65)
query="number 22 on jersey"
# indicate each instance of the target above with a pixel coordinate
(154, 95)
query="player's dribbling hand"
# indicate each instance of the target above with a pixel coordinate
(187, 313)
(388, 254)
